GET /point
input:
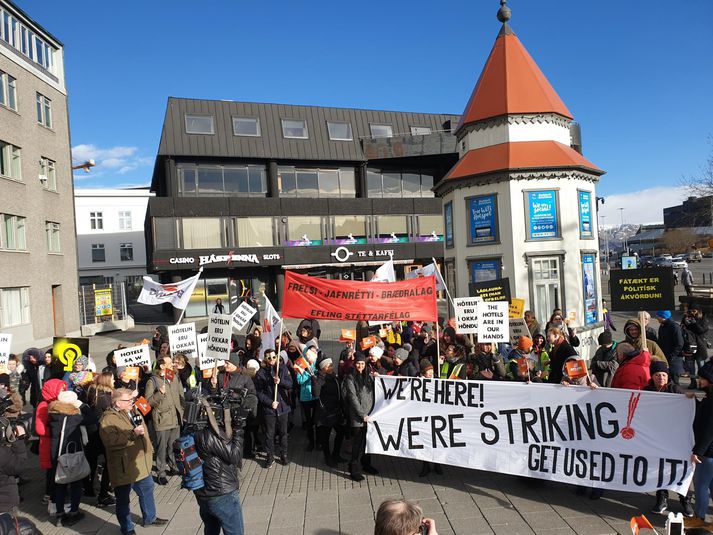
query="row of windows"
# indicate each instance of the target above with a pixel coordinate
(314, 183)
(14, 306)
(96, 220)
(298, 231)
(13, 236)
(22, 38)
(126, 252)
(292, 128)
(221, 180)
(389, 184)
(11, 166)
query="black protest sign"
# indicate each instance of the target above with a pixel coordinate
(641, 289)
(495, 290)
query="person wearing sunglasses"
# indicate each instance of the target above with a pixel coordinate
(273, 384)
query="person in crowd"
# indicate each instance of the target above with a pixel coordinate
(14, 372)
(80, 377)
(6, 390)
(573, 379)
(184, 371)
(401, 517)
(374, 364)
(488, 364)
(542, 357)
(454, 363)
(165, 395)
(252, 423)
(359, 388)
(426, 345)
(671, 343)
(38, 370)
(560, 350)
(702, 454)
(687, 280)
(13, 458)
(50, 391)
(275, 408)
(252, 348)
(522, 365)
(633, 371)
(695, 327)
(129, 459)
(67, 415)
(402, 365)
(346, 364)
(348, 348)
(604, 362)
(651, 333)
(307, 335)
(632, 335)
(532, 324)
(660, 382)
(218, 308)
(231, 378)
(306, 397)
(328, 412)
(111, 364)
(125, 381)
(160, 335)
(427, 372)
(608, 321)
(557, 320)
(99, 399)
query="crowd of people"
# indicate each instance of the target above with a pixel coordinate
(298, 385)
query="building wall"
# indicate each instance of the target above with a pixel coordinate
(36, 268)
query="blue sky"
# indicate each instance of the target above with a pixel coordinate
(637, 75)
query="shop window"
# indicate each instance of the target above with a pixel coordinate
(391, 229)
(430, 228)
(164, 233)
(349, 229)
(304, 231)
(254, 232)
(202, 233)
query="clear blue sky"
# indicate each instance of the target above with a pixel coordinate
(637, 75)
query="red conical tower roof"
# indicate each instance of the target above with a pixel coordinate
(511, 83)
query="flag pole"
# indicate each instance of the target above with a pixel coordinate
(438, 349)
(444, 283)
(279, 358)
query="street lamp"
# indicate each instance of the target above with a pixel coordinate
(626, 245)
(86, 166)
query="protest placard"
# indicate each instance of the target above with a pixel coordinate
(517, 308)
(67, 350)
(182, 339)
(518, 328)
(493, 322)
(605, 438)
(641, 289)
(202, 344)
(133, 356)
(494, 290)
(218, 341)
(242, 315)
(5, 341)
(466, 309)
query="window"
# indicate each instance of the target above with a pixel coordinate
(254, 232)
(124, 220)
(48, 174)
(420, 130)
(10, 161)
(202, 233)
(22, 38)
(304, 231)
(96, 220)
(485, 270)
(312, 183)
(232, 181)
(52, 231)
(13, 236)
(339, 131)
(349, 229)
(164, 233)
(126, 252)
(246, 126)
(8, 91)
(381, 130)
(199, 124)
(391, 229)
(294, 129)
(546, 285)
(44, 110)
(430, 228)
(14, 306)
(98, 254)
(397, 184)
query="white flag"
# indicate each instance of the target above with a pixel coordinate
(385, 273)
(427, 271)
(176, 293)
(270, 327)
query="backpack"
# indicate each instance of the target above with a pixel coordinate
(190, 466)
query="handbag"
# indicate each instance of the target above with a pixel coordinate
(72, 465)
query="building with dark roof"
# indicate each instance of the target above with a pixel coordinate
(693, 212)
(247, 190)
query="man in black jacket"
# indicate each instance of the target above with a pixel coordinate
(275, 408)
(671, 342)
(219, 499)
(232, 379)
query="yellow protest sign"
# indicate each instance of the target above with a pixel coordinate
(517, 308)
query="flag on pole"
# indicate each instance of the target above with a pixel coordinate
(270, 326)
(176, 293)
(385, 273)
(427, 271)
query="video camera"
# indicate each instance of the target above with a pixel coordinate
(9, 425)
(195, 414)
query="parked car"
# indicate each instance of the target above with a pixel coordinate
(647, 261)
(678, 262)
(663, 261)
(694, 256)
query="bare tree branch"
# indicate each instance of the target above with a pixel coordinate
(701, 185)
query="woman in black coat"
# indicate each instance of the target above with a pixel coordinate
(328, 413)
(561, 350)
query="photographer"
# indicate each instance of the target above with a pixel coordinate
(695, 346)
(13, 455)
(401, 517)
(232, 379)
(275, 409)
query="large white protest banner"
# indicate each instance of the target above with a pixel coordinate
(493, 323)
(218, 345)
(182, 339)
(604, 438)
(518, 328)
(5, 341)
(133, 356)
(242, 315)
(466, 310)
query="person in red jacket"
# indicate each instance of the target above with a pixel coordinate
(633, 371)
(50, 391)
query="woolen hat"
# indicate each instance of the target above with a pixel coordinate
(234, 359)
(325, 362)
(359, 356)
(425, 365)
(706, 371)
(401, 354)
(253, 365)
(376, 352)
(524, 343)
(664, 314)
(658, 366)
(605, 338)
(69, 396)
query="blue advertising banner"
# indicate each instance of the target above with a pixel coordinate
(485, 270)
(542, 214)
(482, 217)
(448, 226)
(585, 214)
(591, 314)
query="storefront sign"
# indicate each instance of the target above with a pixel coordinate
(228, 259)
(495, 290)
(67, 350)
(591, 314)
(343, 254)
(605, 438)
(585, 214)
(448, 224)
(5, 341)
(641, 289)
(542, 215)
(182, 339)
(314, 297)
(466, 310)
(493, 321)
(483, 219)
(102, 302)
(133, 356)
(518, 328)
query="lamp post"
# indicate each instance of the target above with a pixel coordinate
(85, 165)
(626, 245)
(606, 242)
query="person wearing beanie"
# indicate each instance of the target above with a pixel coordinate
(374, 364)
(632, 335)
(702, 454)
(402, 365)
(541, 355)
(426, 368)
(671, 343)
(604, 363)
(359, 389)
(522, 363)
(273, 384)
(328, 413)
(633, 371)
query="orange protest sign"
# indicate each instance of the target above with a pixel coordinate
(168, 374)
(143, 405)
(207, 373)
(369, 341)
(576, 369)
(131, 373)
(523, 367)
(301, 365)
(348, 335)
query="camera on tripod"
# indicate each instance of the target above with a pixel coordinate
(195, 414)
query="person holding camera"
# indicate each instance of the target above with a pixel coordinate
(695, 345)
(273, 383)
(401, 517)
(13, 456)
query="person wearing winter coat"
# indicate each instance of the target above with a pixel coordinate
(608, 322)
(99, 399)
(695, 327)
(633, 372)
(184, 371)
(160, 336)
(13, 458)
(37, 371)
(359, 390)
(328, 412)
(604, 364)
(275, 412)
(488, 364)
(50, 391)
(632, 335)
(312, 326)
(68, 415)
(306, 397)
(671, 343)
(402, 365)
(560, 352)
(541, 354)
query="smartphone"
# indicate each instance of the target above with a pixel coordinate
(423, 529)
